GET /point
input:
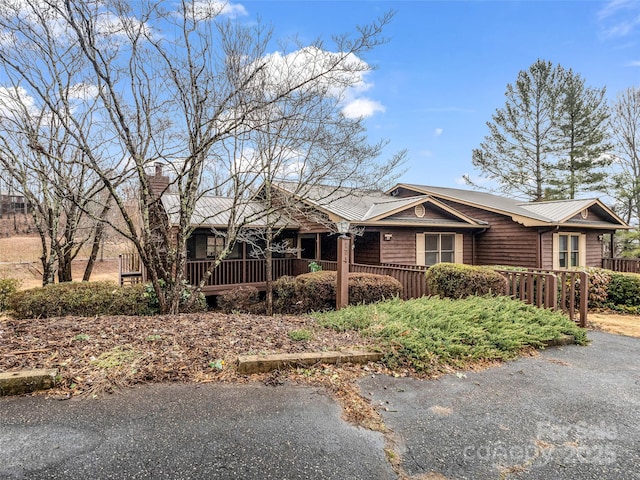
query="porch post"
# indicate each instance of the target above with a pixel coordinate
(342, 285)
(344, 256)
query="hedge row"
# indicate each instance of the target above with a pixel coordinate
(88, 299)
(615, 290)
(311, 292)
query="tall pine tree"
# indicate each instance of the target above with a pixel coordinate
(582, 139)
(550, 140)
(517, 151)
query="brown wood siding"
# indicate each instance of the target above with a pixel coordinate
(505, 242)
(401, 249)
(594, 250)
(430, 212)
(367, 248)
(547, 250)
(591, 217)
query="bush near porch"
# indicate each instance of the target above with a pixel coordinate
(311, 292)
(617, 291)
(451, 280)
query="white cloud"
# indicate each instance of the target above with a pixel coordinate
(328, 73)
(15, 102)
(633, 63)
(619, 18)
(425, 153)
(83, 91)
(437, 132)
(210, 9)
(362, 108)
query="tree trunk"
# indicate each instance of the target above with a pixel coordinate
(97, 242)
(268, 259)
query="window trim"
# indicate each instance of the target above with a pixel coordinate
(582, 250)
(421, 246)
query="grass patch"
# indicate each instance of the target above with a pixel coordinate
(301, 335)
(429, 332)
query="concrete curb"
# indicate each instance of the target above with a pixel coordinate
(26, 381)
(248, 364)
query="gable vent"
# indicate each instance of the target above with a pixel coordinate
(419, 211)
(584, 213)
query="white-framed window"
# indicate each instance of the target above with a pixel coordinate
(569, 250)
(432, 248)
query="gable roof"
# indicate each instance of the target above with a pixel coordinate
(213, 211)
(374, 207)
(549, 213)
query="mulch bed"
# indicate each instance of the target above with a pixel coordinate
(101, 353)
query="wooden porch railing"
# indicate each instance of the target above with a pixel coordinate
(630, 265)
(130, 269)
(412, 278)
(566, 290)
(555, 289)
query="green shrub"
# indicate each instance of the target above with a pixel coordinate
(82, 299)
(240, 299)
(316, 291)
(452, 280)
(365, 288)
(284, 295)
(430, 333)
(8, 286)
(624, 290)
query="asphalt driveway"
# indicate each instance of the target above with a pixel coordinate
(571, 412)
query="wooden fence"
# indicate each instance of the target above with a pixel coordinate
(413, 280)
(631, 265)
(565, 290)
(555, 289)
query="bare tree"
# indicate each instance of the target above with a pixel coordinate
(172, 83)
(304, 140)
(625, 127)
(38, 155)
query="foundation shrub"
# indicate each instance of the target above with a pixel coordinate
(365, 288)
(451, 280)
(624, 291)
(241, 299)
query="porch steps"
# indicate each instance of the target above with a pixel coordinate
(247, 364)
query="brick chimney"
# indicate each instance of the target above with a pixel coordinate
(158, 182)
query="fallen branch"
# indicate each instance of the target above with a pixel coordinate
(24, 352)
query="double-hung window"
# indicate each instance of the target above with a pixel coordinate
(432, 248)
(569, 250)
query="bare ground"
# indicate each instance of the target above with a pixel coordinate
(19, 258)
(628, 325)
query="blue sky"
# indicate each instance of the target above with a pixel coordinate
(447, 64)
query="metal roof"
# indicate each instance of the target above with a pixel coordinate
(214, 211)
(360, 205)
(558, 211)
(550, 212)
(481, 199)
